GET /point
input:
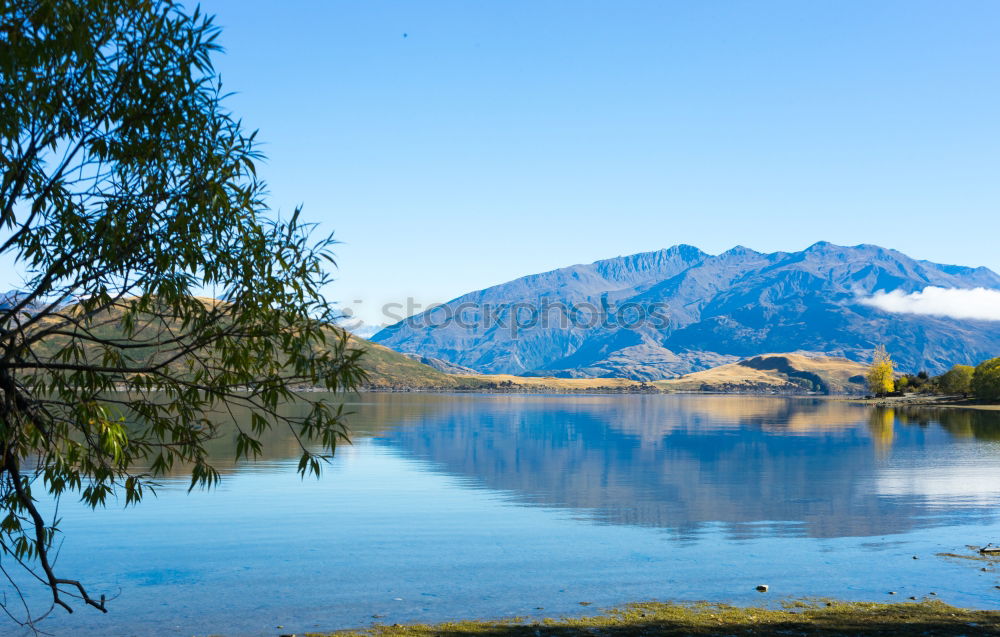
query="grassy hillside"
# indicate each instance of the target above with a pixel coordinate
(386, 368)
(776, 373)
(391, 370)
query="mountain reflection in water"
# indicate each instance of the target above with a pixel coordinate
(814, 467)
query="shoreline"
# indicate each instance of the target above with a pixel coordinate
(953, 402)
(622, 388)
(791, 617)
(916, 400)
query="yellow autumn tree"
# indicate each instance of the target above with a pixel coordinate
(880, 372)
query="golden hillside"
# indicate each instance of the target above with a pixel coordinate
(792, 373)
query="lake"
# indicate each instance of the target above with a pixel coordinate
(471, 506)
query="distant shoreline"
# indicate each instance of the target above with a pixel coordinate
(517, 389)
(597, 389)
(953, 402)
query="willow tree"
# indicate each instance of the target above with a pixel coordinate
(128, 189)
(880, 372)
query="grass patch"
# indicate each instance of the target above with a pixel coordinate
(929, 617)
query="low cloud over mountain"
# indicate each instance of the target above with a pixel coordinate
(977, 303)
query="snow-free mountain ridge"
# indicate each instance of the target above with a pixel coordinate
(720, 308)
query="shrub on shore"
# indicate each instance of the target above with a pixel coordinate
(986, 380)
(957, 380)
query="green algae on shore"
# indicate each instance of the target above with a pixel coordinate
(828, 618)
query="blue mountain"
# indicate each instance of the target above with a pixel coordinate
(659, 314)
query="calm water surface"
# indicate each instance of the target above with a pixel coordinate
(484, 506)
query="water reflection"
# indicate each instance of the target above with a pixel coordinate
(432, 514)
(280, 444)
(981, 424)
(758, 466)
(882, 425)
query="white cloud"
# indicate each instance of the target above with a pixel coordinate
(975, 303)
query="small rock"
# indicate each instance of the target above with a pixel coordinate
(911, 597)
(586, 603)
(933, 593)
(762, 588)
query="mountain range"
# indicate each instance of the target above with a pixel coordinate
(656, 315)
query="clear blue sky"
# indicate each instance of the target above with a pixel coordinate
(455, 145)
